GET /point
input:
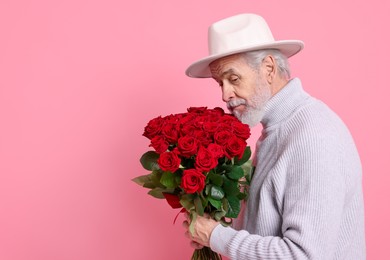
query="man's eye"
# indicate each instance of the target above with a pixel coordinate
(234, 79)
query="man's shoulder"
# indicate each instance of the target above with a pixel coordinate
(314, 120)
(314, 115)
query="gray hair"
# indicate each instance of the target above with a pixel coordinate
(254, 58)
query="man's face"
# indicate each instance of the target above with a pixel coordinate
(243, 89)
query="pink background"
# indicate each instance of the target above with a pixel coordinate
(80, 79)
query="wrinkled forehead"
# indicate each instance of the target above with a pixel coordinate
(227, 64)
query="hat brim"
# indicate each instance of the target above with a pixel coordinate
(200, 68)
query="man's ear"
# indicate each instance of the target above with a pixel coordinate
(269, 68)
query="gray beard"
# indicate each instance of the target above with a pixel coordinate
(251, 116)
(254, 113)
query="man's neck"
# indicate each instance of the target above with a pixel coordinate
(278, 84)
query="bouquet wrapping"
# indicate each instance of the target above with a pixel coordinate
(200, 163)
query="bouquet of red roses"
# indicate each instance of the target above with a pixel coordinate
(200, 163)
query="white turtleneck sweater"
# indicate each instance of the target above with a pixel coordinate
(305, 199)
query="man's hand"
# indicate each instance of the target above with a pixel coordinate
(203, 226)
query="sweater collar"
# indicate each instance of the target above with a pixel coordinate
(283, 103)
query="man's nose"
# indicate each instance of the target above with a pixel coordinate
(227, 93)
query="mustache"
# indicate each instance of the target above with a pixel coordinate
(235, 102)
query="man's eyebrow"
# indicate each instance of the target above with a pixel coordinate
(229, 71)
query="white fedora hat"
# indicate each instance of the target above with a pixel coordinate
(236, 34)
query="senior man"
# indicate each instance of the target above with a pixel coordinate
(305, 199)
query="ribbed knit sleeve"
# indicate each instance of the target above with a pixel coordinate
(306, 197)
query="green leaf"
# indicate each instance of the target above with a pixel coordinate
(193, 216)
(215, 179)
(218, 215)
(187, 201)
(198, 206)
(149, 181)
(217, 192)
(230, 187)
(248, 169)
(242, 196)
(216, 203)
(245, 157)
(233, 207)
(149, 185)
(236, 173)
(157, 193)
(177, 179)
(227, 167)
(168, 180)
(141, 180)
(155, 177)
(249, 173)
(207, 189)
(189, 196)
(149, 161)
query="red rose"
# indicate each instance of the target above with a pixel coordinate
(228, 118)
(235, 147)
(172, 119)
(218, 111)
(197, 110)
(193, 181)
(187, 119)
(187, 130)
(205, 160)
(153, 127)
(221, 137)
(187, 146)
(241, 130)
(203, 137)
(210, 127)
(170, 133)
(216, 150)
(225, 127)
(199, 121)
(159, 144)
(173, 200)
(169, 161)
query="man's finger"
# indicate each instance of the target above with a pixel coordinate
(185, 224)
(196, 245)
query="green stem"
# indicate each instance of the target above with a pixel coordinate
(205, 253)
